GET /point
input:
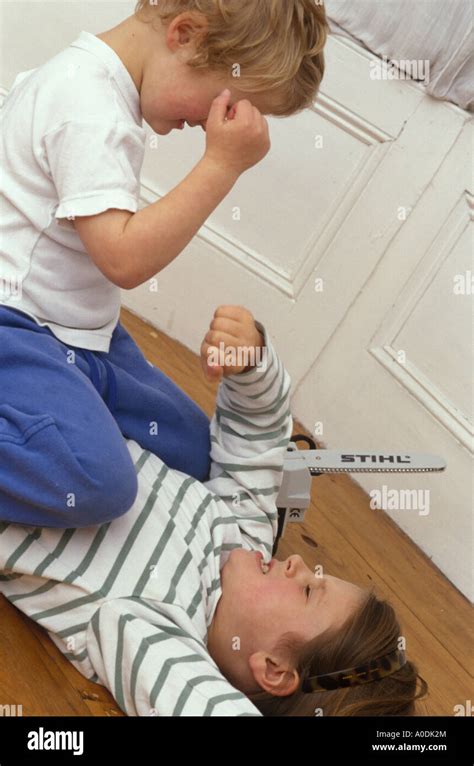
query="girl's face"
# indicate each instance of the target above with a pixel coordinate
(290, 596)
(256, 609)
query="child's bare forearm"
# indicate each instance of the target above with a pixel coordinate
(156, 235)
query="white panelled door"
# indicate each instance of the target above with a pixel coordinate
(351, 243)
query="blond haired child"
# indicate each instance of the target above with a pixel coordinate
(73, 382)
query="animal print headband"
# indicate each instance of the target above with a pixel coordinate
(374, 670)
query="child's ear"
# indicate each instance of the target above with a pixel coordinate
(273, 675)
(187, 27)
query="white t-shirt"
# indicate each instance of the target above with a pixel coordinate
(72, 142)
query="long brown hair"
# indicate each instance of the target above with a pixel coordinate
(371, 632)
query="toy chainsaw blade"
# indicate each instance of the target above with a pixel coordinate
(337, 461)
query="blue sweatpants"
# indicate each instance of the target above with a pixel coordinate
(64, 412)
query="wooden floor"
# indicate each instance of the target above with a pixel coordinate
(342, 533)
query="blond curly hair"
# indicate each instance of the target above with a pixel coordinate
(278, 44)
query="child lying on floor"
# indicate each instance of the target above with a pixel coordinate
(171, 606)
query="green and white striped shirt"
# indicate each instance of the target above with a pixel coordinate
(129, 602)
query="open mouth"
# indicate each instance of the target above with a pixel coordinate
(263, 566)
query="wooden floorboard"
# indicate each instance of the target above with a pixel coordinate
(341, 532)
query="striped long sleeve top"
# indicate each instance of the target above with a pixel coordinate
(130, 602)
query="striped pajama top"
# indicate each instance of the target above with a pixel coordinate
(129, 602)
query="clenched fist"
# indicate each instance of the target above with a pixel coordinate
(238, 140)
(231, 344)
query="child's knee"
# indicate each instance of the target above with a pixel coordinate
(46, 482)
